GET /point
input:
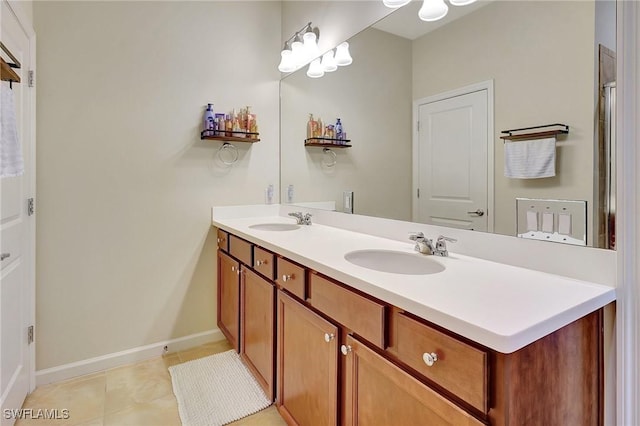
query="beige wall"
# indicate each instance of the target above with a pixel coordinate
(125, 256)
(558, 68)
(375, 109)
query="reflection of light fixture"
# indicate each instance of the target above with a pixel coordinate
(315, 69)
(329, 62)
(299, 49)
(394, 4)
(432, 10)
(342, 54)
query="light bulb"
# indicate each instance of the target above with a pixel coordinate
(342, 54)
(394, 4)
(315, 69)
(287, 64)
(310, 45)
(329, 62)
(461, 2)
(432, 10)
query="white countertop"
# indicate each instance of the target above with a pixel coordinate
(500, 306)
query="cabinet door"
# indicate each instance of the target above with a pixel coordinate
(257, 328)
(307, 365)
(380, 393)
(229, 298)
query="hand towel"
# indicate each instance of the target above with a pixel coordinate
(530, 159)
(11, 160)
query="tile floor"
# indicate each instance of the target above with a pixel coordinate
(134, 395)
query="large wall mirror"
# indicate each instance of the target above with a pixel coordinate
(497, 65)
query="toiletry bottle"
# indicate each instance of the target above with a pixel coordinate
(237, 131)
(310, 126)
(208, 124)
(338, 130)
(320, 128)
(220, 124)
(228, 125)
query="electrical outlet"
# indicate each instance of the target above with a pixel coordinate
(165, 349)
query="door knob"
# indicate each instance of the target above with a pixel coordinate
(478, 212)
(430, 358)
(329, 337)
(3, 256)
(345, 349)
(286, 278)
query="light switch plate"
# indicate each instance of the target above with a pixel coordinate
(549, 213)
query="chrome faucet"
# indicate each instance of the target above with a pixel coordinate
(302, 219)
(425, 245)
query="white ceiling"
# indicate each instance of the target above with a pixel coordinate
(404, 22)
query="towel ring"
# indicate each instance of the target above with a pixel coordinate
(330, 157)
(228, 154)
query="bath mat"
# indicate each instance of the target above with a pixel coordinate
(216, 390)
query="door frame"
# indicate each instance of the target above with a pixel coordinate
(465, 90)
(29, 177)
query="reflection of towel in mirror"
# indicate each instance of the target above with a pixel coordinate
(530, 159)
(11, 161)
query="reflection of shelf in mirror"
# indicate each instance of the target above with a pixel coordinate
(328, 142)
(247, 137)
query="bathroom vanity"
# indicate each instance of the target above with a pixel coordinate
(474, 343)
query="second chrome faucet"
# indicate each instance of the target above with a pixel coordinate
(302, 219)
(426, 246)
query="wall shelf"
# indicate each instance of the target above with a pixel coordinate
(328, 142)
(248, 137)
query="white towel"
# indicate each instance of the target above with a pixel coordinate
(11, 161)
(530, 159)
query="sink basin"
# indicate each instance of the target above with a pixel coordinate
(396, 262)
(275, 226)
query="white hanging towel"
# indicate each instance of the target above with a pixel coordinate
(530, 159)
(11, 161)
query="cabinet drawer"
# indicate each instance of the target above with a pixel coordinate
(359, 314)
(241, 249)
(291, 277)
(263, 262)
(459, 368)
(223, 240)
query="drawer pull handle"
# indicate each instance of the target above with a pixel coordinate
(430, 358)
(328, 337)
(261, 262)
(345, 349)
(286, 278)
(236, 270)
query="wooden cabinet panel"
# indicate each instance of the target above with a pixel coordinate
(307, 365)
(229, 297)
(359, 314)
(380, 393)
(291, 277)
(264, 262)
(223, 240)
(257, 310)
(241, 250)
(460, 368)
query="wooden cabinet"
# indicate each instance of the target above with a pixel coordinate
(229, 297)
(307, 365)
(380, 393)
(257, 304)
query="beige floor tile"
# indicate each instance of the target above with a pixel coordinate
(159, 412)
(95, 422)
(171, 360)
(85, 397)
(204, 350)
(267, 417)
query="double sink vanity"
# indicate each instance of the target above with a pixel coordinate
(344, 327)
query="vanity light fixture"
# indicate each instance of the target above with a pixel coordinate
(315, 69)
(299, 49)
(329, 62)
(342, 54)
(431, 10)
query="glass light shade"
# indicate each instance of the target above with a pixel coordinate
(342, 54)
(432, 10)
(315, 69)
(461, 2)
(311, 49)
(297, 50)
(329, 62)
(287, 64)
(394, 4)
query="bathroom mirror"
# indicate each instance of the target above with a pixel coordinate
(534, 63)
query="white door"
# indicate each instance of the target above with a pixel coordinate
(17, 230)
(451, 166)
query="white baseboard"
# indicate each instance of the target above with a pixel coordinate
(129, 356)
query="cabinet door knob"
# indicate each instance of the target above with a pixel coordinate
(430, 358)
(286, 278)
(345, 349)
(261, 262)
(235, 269)
(329, 337)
